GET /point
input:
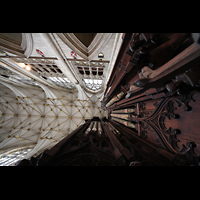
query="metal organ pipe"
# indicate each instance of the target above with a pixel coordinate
(115, 98)
(122, 116)
(99, 129)
(89, 128)
(124, 122)
(127, 110)
(114, 129)
(94, 126)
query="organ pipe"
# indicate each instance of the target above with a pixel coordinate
(99, 129)
(115, 98)
(113, 128)
(90, 128)
(122, 116)
(127, 110)
(94, 126)
(124, 122)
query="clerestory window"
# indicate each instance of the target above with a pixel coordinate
(93, 84)
(12, 158)
(63, 82)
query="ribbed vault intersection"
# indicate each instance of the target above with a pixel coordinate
(42, 117)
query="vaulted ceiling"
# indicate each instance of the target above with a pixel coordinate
(45, 97)
(85, 38)
(32, 117)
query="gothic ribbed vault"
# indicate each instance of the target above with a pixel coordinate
(43, 97)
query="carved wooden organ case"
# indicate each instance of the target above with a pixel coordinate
(95, 143)
(154, 92)
(152, 102)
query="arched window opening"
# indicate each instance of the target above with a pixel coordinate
(9, 159)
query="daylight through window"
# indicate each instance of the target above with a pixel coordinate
(12, 158)
(94, 84)
(63, 82)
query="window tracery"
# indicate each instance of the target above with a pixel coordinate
(46, 69)
(8, 159)
(17, 78)
(63, 82)
(93, 84)
(91, 72)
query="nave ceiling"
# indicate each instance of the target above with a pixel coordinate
(42, 117)
(39, 107)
